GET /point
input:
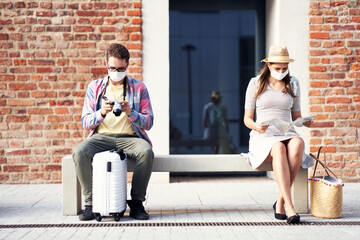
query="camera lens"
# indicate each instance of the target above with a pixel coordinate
(117, 109)
(117, 112)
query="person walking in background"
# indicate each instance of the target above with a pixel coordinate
(276, 94)
(215, 122)
(110, 129)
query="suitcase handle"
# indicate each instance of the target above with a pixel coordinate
(109, 166)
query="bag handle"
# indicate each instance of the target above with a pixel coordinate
(326, 168)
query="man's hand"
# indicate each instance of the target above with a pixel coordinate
(106, 107)
(125, 107)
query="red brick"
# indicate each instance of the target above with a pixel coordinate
(86, 6)
(97, 21)
(319, 35)
(59, 118)
(83, 45)
(41, 111)
(17, 102)
(136, 13)
(87, 13)
(355, 124)
(315, 109)
(43, 94)
(61, 111)
(137, 4)
(321, 76)
(346, 35)
(95, 70)
(134, 46)
(100, 5)
(354, 75)
(317, 52)
(110, 21)
(132, 29)
(340, 83)
(83, 29)
(338, 100)
(353, 91)
(18, 152)
(53, 167)
(108, 29)
(105, 14)
(317, 68)
(338, 3)
(135, 37)
(331, 19)
(15, 168)
(84, 62)
(316, 20)
(341, 51)
(322, 124)
(353, 43)
(45, 13)
(314, 60)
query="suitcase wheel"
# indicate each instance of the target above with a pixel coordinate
(121, 214)
(98, 217)
(117, 216)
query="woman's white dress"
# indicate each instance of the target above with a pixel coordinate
(269, 105)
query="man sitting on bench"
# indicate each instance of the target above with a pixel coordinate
(120, 127)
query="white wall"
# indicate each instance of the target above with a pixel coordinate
(156, 68)
(287, 23)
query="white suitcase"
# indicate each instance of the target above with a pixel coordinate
(109, 184)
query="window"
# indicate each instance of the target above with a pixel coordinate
(215, 49)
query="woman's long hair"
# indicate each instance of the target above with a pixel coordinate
(264, 78)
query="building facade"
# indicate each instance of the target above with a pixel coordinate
(51, 50)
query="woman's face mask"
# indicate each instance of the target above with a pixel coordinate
(279, 76)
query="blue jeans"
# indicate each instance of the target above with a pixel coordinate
(136, 149)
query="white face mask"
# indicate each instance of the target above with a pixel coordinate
(117, 76)
(279, 76)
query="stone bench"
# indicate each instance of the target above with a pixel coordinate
(183, 163)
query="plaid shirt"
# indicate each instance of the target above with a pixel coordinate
(139, 101)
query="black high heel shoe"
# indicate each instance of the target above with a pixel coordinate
(279, 216)
(293, 219)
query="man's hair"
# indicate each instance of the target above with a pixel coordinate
(118, 51)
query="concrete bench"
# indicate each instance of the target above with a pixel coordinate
(183, 163)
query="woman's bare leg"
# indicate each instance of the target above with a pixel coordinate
(281, 168)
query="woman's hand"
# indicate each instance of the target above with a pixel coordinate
(261, 129)
(308, 123)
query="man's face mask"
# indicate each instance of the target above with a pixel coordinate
(116, 76)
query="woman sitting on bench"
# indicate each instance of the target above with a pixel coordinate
(276, 94)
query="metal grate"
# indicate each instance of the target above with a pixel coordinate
(177, 224)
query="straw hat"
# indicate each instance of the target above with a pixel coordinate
(278, 54)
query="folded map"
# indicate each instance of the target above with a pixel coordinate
(284, 126)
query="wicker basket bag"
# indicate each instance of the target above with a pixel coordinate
(326, 194)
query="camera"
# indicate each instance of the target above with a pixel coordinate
(116, 106)
(117, 109)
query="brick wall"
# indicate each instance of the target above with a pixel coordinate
(334, 93)
(49, 52)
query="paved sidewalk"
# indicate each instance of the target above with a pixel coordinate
(188, 208)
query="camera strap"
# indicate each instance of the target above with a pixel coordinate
(124, 92)
(124, 88)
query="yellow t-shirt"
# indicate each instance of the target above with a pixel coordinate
(111, 123)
